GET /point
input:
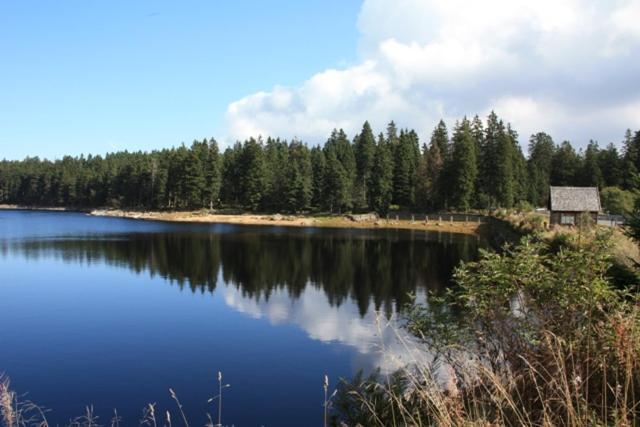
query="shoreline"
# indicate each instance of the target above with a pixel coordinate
(471, 228)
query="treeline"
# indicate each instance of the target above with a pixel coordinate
(480, 165)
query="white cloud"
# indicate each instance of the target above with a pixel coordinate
(569, 68)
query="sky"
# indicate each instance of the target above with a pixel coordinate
(92, 77)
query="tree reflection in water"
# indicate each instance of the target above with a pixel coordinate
(377, 269)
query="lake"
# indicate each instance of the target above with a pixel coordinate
(113, 312)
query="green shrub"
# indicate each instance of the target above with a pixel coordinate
(530, 336)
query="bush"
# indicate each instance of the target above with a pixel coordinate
(531, 336)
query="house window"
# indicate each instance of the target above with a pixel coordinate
(567, 219)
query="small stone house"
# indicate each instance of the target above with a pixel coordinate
(566, 204)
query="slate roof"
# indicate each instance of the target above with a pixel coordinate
(574, 199)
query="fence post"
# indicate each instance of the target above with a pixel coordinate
(451, 219)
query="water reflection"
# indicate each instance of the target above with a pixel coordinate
(313, 313)
(377, 270)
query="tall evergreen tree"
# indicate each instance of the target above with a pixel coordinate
(590, 174)
(541, 151)
(213, 174)
(631, 146)
(276, 157)
(488, 180)
(341, 171)
(566, 165)
(337, 187)
(405, 166)
(231, 190)
(423, 190)
(463, 166)
(504, 176)
(520, 175)
(318, 172)
(611, 166)
(365, 146)
(435, 159)
(299, 189)
(382, 177)
(252, 170)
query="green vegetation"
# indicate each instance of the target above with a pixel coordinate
(537, 336)
(481, 166)
(615, 200)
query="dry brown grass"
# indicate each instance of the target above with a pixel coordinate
(563, 386)
(15, 412)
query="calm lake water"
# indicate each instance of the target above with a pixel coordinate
(113, 312)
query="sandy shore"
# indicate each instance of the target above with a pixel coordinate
(279, 220)
(293, 220)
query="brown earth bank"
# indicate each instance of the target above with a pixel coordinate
(366, 221)
(294, 220)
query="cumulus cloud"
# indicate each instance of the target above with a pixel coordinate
(569, 68)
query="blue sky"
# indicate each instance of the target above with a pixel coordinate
(80, 76)
(97, 76)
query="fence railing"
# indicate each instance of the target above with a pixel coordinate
(436, 217)
(610, 220)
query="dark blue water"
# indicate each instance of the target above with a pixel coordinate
(114, 312)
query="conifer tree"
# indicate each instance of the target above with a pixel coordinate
(505, 190)
(423, 190)
(435, 159)
(405, 165)
(213, 174)
(318, 171)
(611, 166)
(463, 166)
(591, 176)
(365, 146)
(541, 150)
(382, 177)
(252, 170)
(299, 189)
(231, 190)
(337, 187)
(565, 165)
(488, 155)
(631, 160)
(276, 158)
(341, 171)
(520, 175)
